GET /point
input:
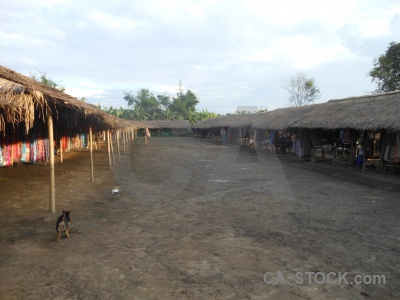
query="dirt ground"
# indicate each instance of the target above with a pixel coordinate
(194, 219)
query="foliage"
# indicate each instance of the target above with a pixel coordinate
(144, 106)
(202, 115)
(302, 90)
(246, 112)
(386, 70)
(242, 112)
(184, 104)
(43, 79)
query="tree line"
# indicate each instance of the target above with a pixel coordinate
(145, 106)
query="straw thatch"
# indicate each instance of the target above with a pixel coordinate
(178, 124)
(148, 124)
(228, 121)
(18, 104)
(280, 119)
(161, 124)
(20, 96)
(371, 112)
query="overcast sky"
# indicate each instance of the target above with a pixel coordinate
(229, 53)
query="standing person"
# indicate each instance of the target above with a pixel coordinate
(147, 135)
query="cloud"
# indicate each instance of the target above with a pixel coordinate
(230, 53)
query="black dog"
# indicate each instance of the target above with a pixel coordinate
(63, 220)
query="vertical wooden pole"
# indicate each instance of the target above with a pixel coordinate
(127, 141)
(123, 138)
(124, 143)
(61, 151)
(12, 152)
(119, 152)
(91, 154)
(51, 162)
(109, 148)
(112, 150)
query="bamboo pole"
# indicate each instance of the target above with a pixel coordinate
(119, 152)
(91, 154)
(128, 134)
(123, 139)
(51, 162)
(61, 151)
(112, 150)
(109, 148)
(127, 142)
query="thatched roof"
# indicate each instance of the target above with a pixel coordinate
(376, 111)
(228, 121)
(281, 118)
(148, 124)
(179, 124)
(18, 104)
(175, 124)
(20, 96)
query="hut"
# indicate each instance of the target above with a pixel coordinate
(369, 123)
(339, 130)
(174, 128)
(165, 128)
(234, 129)
(36, 119)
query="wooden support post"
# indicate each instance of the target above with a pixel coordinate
(61, 151)
(51, 162)
(109, 148)
(127, 141)
(123, 139)
(91, 154)
(112, 150)
(119, 152)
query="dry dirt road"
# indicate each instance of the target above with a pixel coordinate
(194, 219)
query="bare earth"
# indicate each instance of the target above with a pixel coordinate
(194, 219)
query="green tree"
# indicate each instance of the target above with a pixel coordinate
(43, 79)
(144, 105)
(386, 70)
(202, 115)
(184, 104)
(302, 90)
